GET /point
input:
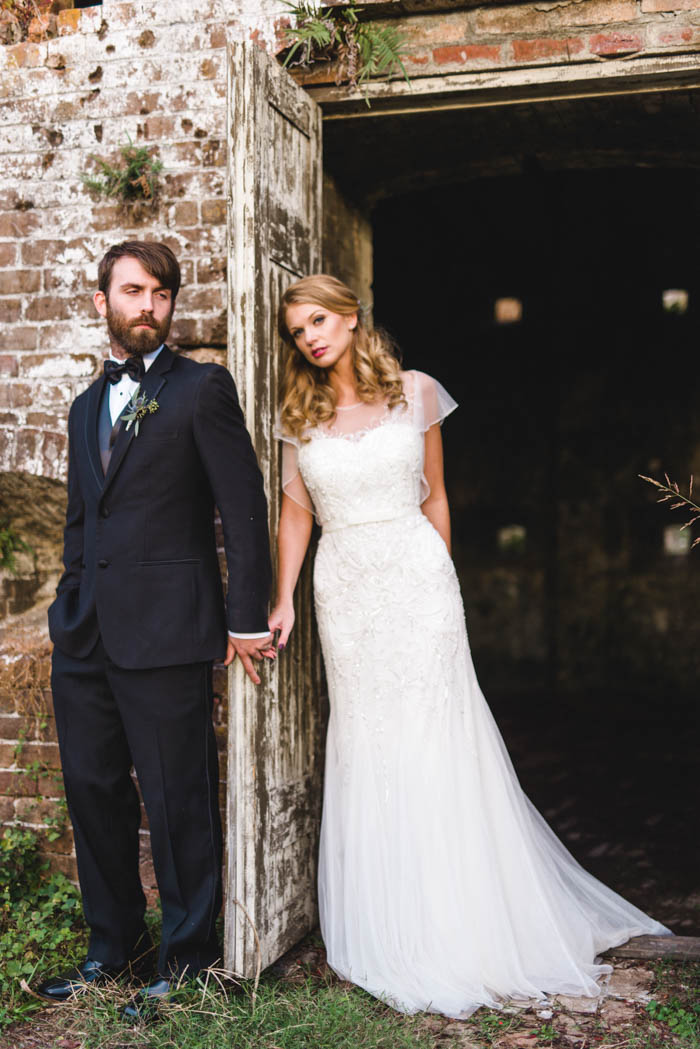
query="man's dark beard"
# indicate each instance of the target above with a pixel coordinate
(137, 341)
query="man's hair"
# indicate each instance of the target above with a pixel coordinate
(156, 259)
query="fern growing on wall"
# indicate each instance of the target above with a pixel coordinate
(135, 178)
(362, 50)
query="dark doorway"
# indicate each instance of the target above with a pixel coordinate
(537, 298)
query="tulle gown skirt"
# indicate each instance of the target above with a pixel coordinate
(440, 886)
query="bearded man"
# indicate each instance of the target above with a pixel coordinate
(154, 444)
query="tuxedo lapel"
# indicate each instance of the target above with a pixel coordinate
(90, 429)
(153, 382)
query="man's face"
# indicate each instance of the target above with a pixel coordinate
(137, 307)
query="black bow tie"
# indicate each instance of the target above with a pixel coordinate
(133, 366)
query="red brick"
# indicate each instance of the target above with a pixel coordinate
(141, 102)
(209, 298)
(7, 810)
(8, 365)
(65, 864)
(29, 727)
(60, 281)
(35, 810)
(217, 36)
(209, 68)
(19, 784)
(12, 725)
(49, 308)
(37, 252)
(213, 153)
(615, 43)
(185, 214)
(44, 421)
(18, 223)
(62, 845)
(26, 54)
(214, 211)
(46, 754)
(553, 17)
(8, 419)
(209, 270)
(18, 338)
(106, 217)
(69, 21)
(10, 310)
(8, 254)
(8, 697)
(546, 47)
(675, 36)
(160, 127)
(18, 282)
(7, 755)
(461, 54)
(654, 6)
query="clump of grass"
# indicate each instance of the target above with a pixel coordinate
(670, 492)
(216, 1010)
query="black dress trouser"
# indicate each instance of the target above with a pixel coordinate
(159, 720)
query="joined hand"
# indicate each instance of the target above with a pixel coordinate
(248, 649)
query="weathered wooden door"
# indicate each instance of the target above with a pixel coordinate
(276, 731)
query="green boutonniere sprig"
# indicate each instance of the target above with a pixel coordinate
(137, 409)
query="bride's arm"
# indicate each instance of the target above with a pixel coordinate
(292, 543)
(436, 507)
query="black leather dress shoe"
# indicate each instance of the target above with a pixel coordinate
(90, 974)
(143, 1007)
(94, 974)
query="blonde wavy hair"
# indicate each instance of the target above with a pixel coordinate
(307, 395)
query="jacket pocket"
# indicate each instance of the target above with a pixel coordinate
(159, 564)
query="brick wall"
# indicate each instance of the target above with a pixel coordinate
(154, 72)
(502, 36)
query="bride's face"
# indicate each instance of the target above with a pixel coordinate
(323, 337)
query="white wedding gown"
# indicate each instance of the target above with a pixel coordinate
(440, 885)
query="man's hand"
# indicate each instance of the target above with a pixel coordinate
(248, 649)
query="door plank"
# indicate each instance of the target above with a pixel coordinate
(276, 731)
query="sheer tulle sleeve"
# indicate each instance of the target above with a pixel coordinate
(431, 401)
(292, 483)
(431, 404)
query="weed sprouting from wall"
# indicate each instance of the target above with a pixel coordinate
(362, 50)
(134, 179)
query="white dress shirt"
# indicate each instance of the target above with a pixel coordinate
(120, 393)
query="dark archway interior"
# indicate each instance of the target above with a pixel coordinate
(584, 628)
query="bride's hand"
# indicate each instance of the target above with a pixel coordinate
(282, 619)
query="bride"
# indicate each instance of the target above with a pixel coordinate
(440, 886)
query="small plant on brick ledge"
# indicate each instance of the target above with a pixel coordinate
(10, 544)
(361, 49)
(136, 179)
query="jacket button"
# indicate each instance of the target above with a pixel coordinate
(103, 563)
(104, 512)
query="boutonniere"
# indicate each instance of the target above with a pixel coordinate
(137, 409)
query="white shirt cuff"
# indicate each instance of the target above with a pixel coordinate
(244, 636)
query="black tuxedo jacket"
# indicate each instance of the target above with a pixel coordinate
(141, 567)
